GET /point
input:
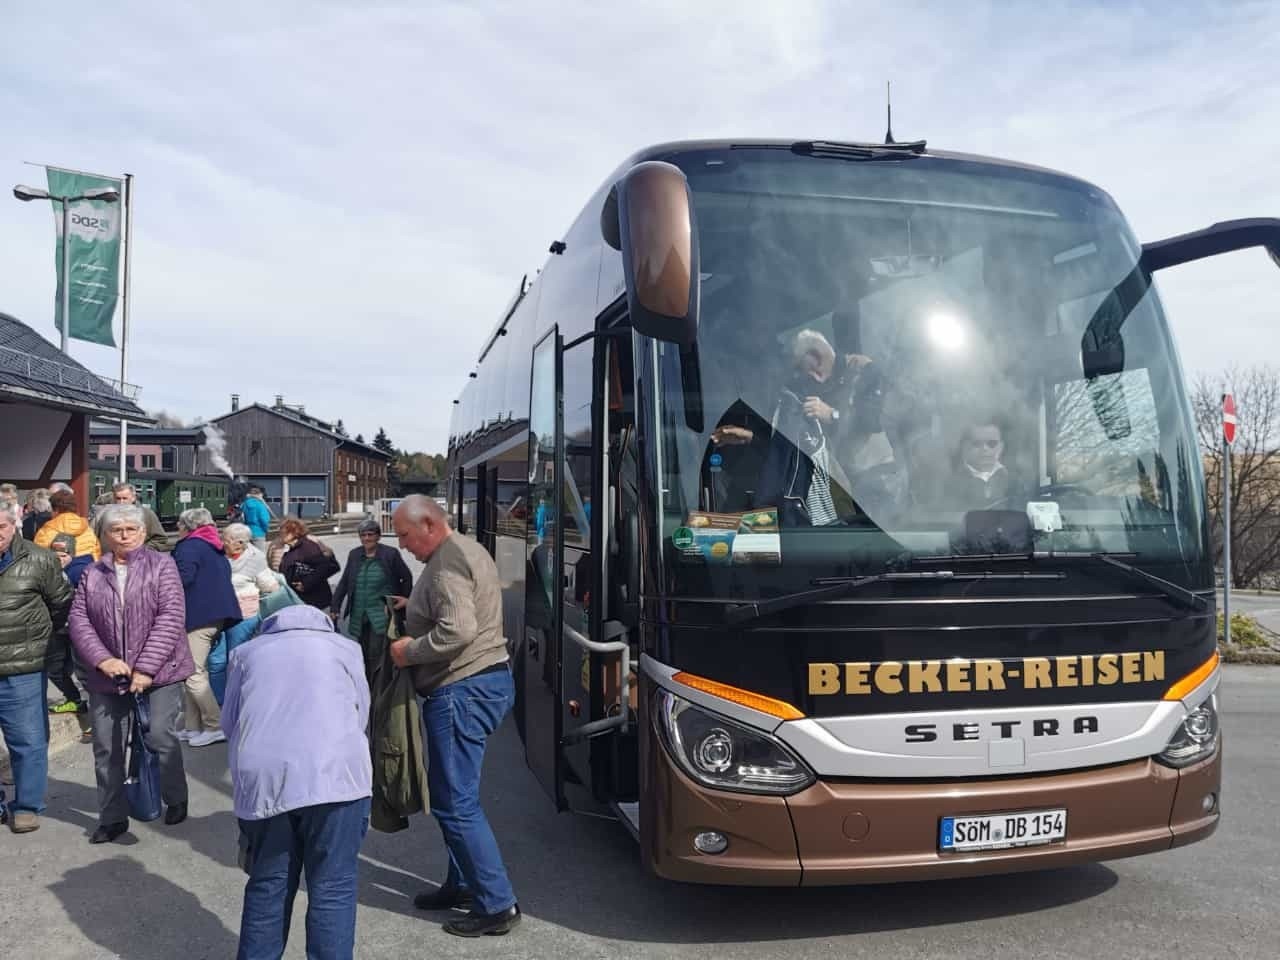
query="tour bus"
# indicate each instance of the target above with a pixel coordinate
(849, 517)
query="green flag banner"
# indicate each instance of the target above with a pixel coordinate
(94, 255)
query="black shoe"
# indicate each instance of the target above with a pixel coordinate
(107, 832)
(484, 924)
(175, 813)
(445, 898)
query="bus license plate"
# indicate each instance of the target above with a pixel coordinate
(999, 831)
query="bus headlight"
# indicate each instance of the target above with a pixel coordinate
(717, 752)
(1196, 738)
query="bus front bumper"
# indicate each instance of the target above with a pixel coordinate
(845, 832)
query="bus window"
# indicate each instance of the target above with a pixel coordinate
(863, 333)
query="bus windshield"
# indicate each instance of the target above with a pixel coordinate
(915, 358)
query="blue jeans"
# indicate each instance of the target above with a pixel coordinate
(458, 719)
(323, 840)
(24, 721)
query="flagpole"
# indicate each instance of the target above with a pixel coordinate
(65, 325)
(124, 320)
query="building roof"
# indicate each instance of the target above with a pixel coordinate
(33, 370)
(178, 436)
(311, 423)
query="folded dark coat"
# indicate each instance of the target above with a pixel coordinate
(395, 740)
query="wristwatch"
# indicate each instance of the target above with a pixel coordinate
(835, 415)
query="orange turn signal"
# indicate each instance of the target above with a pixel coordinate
(1192, 679)
(744, 698)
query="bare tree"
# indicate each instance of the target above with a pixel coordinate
(1255, 467)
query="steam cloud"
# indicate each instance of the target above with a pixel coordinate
(216, 443)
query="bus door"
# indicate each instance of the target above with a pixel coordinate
(563, 681)
(539, 655)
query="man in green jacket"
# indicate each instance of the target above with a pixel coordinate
(34, 597)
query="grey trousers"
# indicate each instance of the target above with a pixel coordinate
(109, 714)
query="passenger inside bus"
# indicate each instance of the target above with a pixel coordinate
(737, 399)
(823, 434)
(980, 478)
(734, 457)
(816, 435)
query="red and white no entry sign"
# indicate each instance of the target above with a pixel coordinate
(1228, 418)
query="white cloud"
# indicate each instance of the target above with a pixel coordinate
(335, 201)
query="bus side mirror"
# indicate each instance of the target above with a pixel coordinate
(648, 216)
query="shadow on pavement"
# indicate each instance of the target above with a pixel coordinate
(584, 874)
(77, 804)
(132, 913)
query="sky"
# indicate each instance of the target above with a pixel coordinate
(335, 201)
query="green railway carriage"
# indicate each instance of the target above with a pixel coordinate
(168, 494)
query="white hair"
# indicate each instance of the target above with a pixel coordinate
(123, 485)
(38, 501)
(9, 511)
(237, 533)
(811, 341)
(195, 517)
(59, 485)
(121, 513)
(417, 507)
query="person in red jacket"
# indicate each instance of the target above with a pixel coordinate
(127, 624)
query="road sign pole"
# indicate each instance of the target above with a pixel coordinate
(1228, 438)
(1226, 542)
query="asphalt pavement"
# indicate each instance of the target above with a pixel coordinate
(165, 893)
(1263, 607)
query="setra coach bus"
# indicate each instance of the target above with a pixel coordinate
(849, 516)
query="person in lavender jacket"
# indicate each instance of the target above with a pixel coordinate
(295, 714)
(127, 624)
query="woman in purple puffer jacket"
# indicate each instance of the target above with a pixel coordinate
(127, 625)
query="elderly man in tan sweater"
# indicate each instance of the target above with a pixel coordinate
(455, 646)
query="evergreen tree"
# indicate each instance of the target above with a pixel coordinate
(383, 443)
(359, 438)
(339, 429)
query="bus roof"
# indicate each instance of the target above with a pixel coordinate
(662, 150)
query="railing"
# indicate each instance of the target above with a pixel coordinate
(64, 374)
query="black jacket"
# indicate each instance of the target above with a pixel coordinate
(34, 598)
(310, 564)
(32, 522)
(397, 571)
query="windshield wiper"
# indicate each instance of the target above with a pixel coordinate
(1171, 590)
(835, 587)
(858, 151)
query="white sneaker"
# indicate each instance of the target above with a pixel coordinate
(185, 735)
(207, 737)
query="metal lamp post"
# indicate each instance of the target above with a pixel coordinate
(26, 194)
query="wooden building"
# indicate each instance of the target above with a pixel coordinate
(46, 402)
(304, 466)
